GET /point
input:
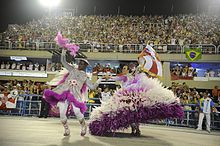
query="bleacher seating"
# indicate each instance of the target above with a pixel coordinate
(110, 32)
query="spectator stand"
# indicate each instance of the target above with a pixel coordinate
(116, 30)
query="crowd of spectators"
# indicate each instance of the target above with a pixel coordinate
(52, 66)
(100, 94)
(186, 71)
(120, 30)
(107, 68)
(185, 94)
(211, 73)
(192, 95)
(30, 66)
(29, 87)
(98, 68)
(13, 65)
(183, 72)
(24, 87)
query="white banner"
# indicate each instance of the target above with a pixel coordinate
(24, 74)
(206, 78)
(214, 78)
(201, 79)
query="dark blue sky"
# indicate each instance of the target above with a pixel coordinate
(22, 11)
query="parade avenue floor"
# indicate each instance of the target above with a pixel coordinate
(32, 131)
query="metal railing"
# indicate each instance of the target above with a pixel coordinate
(168, 48)
(30, 107)
(29, 45)
(206, 48)
(191, 118)
(218, 49)
(101, 47)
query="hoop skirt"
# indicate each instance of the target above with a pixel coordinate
(142, 99)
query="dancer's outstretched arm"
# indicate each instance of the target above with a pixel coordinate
(64, 62)
(91, 85)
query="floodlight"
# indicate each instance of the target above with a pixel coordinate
(50, 3)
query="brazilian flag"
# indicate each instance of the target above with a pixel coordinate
(193, 54)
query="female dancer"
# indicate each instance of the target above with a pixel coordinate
(143, 98)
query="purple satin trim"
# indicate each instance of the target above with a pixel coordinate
(63, 80)
(84, 88)
(53, 98)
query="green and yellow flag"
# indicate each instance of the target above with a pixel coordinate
(193, 54)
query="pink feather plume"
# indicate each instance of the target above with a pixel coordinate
(72, 48)
(64, 43)
(60, 40)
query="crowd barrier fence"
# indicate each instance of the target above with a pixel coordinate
(101, 47)
(218, 49)
(30, 105)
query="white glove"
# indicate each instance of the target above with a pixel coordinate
(99, 81)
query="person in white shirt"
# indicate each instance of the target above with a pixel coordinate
(173, 41)
(36, 67)
(8, 65)
(207, 73)
(190, 72)
(23, 67)
(31, 66)
(18, 67)
(13, 66)
(218, 74)
(2, 65)
(212, 73)
(181, 41)
(206, 105)
(106, 95)
(42, 68)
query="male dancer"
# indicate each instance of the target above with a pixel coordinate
(69, 93)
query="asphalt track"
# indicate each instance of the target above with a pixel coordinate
(32, 131)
